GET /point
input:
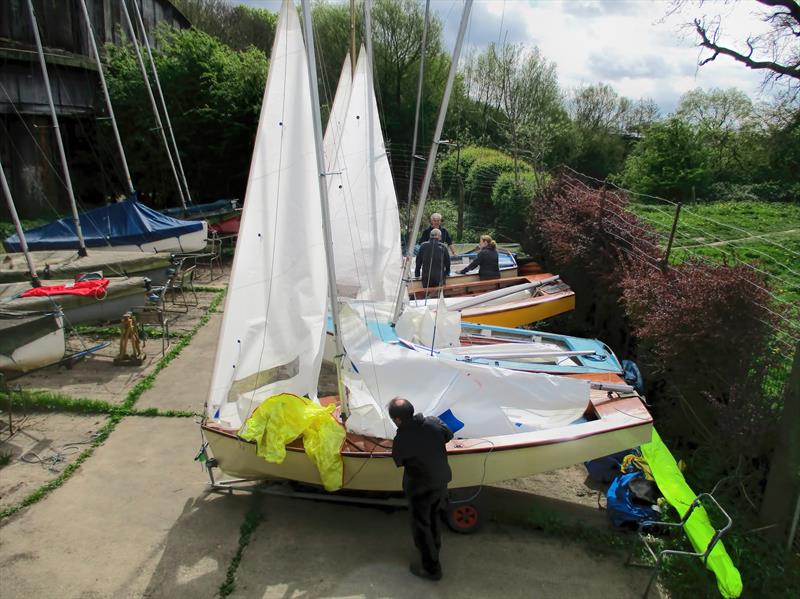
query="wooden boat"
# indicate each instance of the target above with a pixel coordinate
(509, 423)
(29, 340)
(549, 297)
(121, 295)
(611, 422)
(507, 264)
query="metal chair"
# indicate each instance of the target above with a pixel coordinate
(659, 557)
(209, 258)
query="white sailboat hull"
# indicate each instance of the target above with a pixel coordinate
(621, 424)
(37, 353)
(189, 242)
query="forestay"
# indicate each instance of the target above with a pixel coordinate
(365, 224)
(488, 401)
(274, 321)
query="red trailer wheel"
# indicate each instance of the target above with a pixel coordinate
(463, 518)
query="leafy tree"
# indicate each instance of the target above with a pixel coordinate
(237, 26)
(512, 195)
(213, 94)
(668, 162)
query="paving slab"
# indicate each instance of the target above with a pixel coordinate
(314, 549)
(133, 521)
(184, 383)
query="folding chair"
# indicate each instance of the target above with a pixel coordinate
(658, 558)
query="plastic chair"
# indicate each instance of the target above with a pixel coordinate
(659, 557)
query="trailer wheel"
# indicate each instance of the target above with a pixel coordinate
(463, 518)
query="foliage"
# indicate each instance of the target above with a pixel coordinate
(511, 196)
(236, 26)
(251, 521)
(214, 97)
(669, 162)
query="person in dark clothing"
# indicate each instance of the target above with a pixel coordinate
(487, 261)
(436, 223)
(433, 261)
(420, 447)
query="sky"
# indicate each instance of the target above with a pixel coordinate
(631, 45)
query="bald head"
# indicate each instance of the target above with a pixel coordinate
(401, 411)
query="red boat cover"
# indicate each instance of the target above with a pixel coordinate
(227, 226)
(97, 288)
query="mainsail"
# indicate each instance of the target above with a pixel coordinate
(274, 321)
(365, 223)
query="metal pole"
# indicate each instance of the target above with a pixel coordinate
(93, 44)
(323, 194)
(67, 180)
(409, 242)
(370, 119)
(353, 37)
(18, 226)
(672, 234)
(163, 102)
(426, 182)
(149, 89)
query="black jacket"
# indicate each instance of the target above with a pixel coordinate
(419, 446)
(433, 262)
(489, 264)
(446, 239)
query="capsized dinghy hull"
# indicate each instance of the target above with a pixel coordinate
(28, 342)
(619, 423)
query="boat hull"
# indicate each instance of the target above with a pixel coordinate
(36, 352)
(513, 315)
(473, 462)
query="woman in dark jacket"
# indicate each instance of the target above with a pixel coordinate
(486, 260)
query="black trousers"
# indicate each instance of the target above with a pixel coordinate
(432, 279)
(426, 525)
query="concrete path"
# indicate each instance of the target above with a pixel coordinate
(133, 521)
(184, 384)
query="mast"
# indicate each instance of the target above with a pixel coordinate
(323, 194)
(426, 182)
(93, 44)
(409, 242)
(370, 117)
(138, 11)
(353, 37)
(18, 226)
(149, 89)
(67, 179)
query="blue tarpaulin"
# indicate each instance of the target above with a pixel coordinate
(123, 223)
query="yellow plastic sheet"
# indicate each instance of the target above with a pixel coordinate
(282, 418)
(698, 527)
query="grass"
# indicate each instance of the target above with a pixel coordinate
(251, 521)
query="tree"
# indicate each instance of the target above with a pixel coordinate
(236, 26)
(775, 51)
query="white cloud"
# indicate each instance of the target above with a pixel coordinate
(627, 44)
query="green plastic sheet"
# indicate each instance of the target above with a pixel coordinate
(282, 418)
(698, 527)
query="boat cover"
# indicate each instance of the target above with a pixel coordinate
(95, 287)
(121, 224)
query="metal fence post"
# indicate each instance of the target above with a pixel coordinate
(665, 261)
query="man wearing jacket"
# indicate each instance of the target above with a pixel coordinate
(433, 261)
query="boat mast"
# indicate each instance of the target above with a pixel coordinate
(409, 243)
(138, 11)
(67, 179)
(353, 37)
(93, 44)
(149, 89)
(18, 226)
(323, 194)
(426, 182)
(370, 118)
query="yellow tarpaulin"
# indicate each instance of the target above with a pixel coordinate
(698, 528)
(283, 418)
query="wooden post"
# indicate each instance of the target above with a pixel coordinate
(665, 262)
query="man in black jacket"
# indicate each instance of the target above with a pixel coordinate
(433, 261)
(420, 447)
(436, 223)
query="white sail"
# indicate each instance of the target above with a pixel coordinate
(365, 223)
(488, 401)
(274, 321)
(335, 126)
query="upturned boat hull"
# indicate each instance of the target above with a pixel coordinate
(618, 424)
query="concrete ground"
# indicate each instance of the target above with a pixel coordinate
(135, 520)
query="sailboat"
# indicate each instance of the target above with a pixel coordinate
(508, 424)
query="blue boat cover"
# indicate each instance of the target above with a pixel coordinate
(123, 223)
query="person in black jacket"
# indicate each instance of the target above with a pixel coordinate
(420, 447)
(436, 223)
(487, 260)
(433, 261)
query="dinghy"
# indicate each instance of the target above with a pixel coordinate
(29, 340)
(507, 423)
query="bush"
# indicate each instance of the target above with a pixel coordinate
(511, 197)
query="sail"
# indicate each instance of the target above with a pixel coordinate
(274, 320)
(365, 224)
(335, 126)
